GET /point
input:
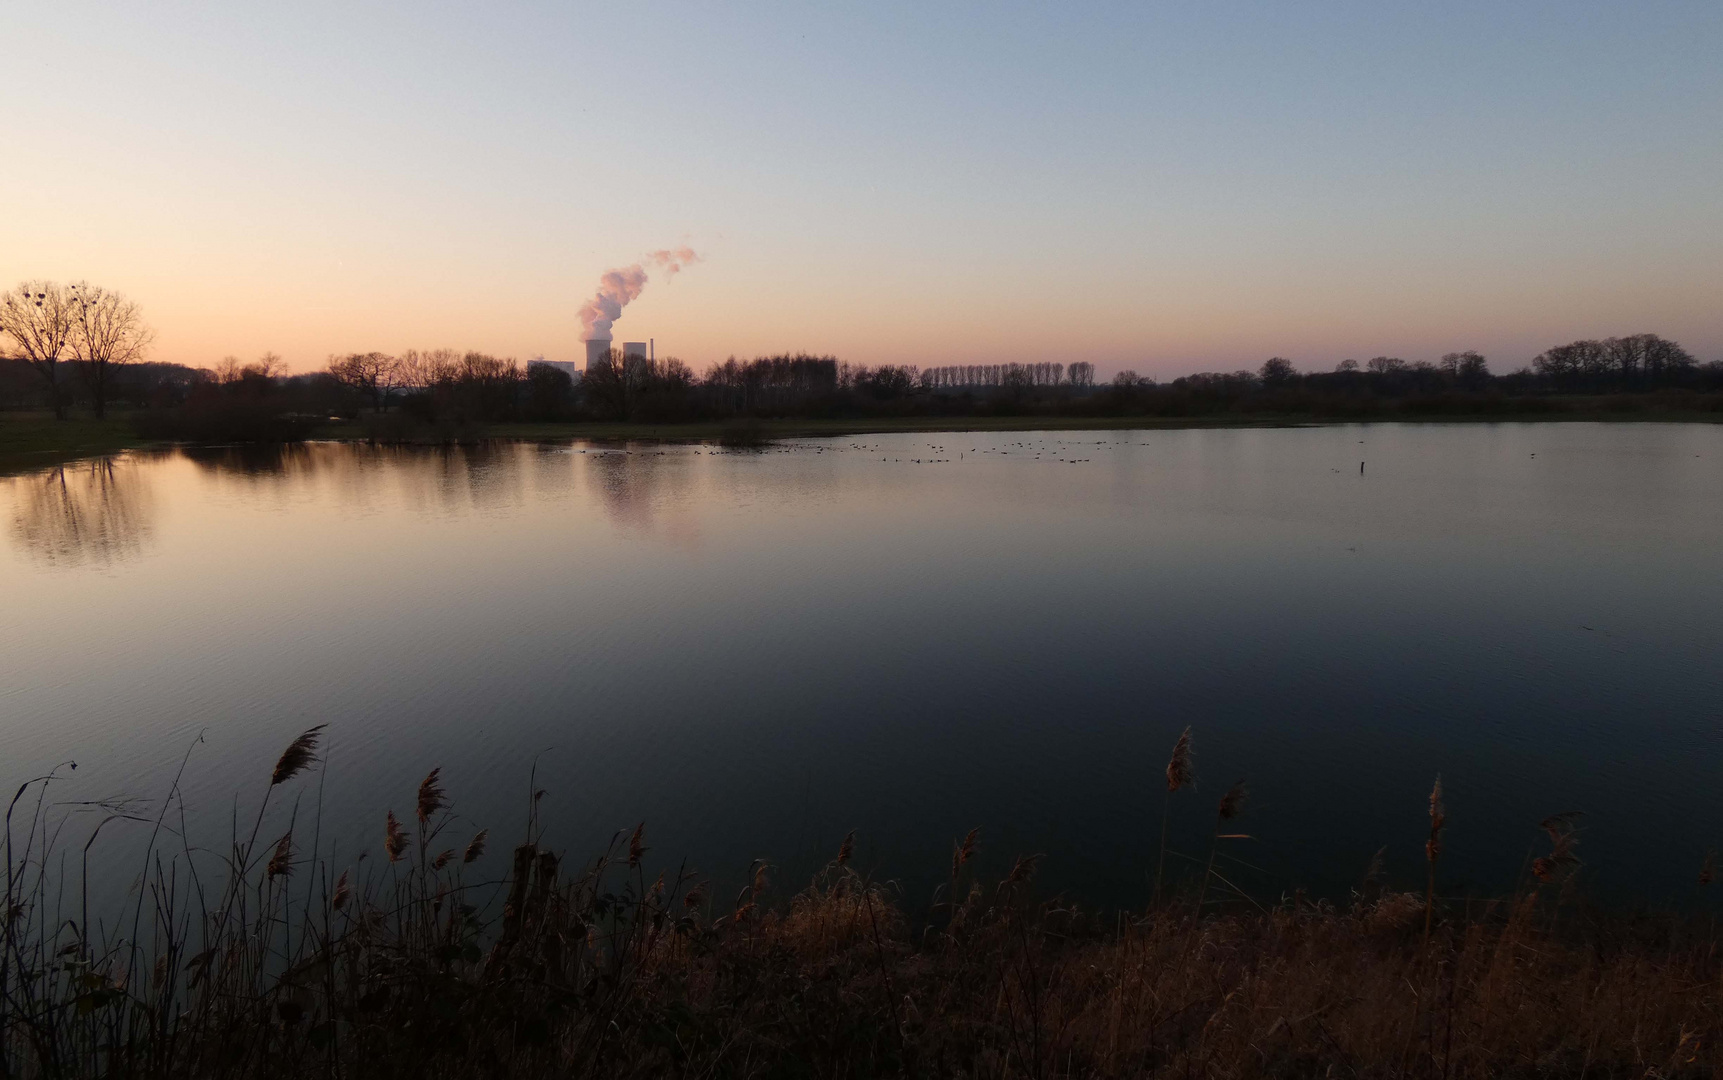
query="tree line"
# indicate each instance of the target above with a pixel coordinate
(80, 343)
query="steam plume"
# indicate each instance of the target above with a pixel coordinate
(617, 287)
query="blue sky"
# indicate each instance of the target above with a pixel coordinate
(1168, 188)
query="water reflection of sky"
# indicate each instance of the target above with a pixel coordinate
(909, 635)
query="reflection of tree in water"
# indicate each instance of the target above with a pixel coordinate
(448, 479)
(491, 472)
(95, 512)
(252, 459)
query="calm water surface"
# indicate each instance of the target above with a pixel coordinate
(910, 635)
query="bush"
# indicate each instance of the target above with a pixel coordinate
(216, 418)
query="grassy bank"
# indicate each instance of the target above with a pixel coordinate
(30, 440)
(424, 961)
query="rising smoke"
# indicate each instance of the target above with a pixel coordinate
(617, 287)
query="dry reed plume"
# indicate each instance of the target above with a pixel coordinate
(299, 756)
(1433, 851)
(1181, 773)
(394, 838)
(430, 797)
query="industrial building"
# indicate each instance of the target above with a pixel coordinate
(599, 351)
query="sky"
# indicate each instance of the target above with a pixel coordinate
(1162, 187)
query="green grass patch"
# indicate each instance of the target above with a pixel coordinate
(29, 440)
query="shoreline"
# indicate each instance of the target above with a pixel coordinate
(32, 442)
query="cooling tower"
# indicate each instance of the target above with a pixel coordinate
(634, 348)
(597, 352)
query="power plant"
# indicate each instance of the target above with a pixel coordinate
(598, 352)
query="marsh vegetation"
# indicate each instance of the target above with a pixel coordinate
(274, 959)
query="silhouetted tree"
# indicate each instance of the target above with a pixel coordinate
(1644, 357)
(108, 332)
(38, 316)
(1278, 371)
(1469, 369)
(1571, 362)
(373, 374)
(549, 392)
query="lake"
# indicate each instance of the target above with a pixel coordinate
(909, 636)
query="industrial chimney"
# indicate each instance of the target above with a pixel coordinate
(597, 352)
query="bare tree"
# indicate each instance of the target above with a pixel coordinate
(1575, 360)
(1467, 368)
(374, 374)
(265, 370)
(38, 317)
(108, 332)
(1646, 356)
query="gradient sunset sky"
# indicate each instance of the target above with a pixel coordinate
(1167, 187)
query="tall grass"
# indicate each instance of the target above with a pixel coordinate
(285, 963)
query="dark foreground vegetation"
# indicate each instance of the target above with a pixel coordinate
(418, 962)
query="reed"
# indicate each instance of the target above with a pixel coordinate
(1181, 773)
(433, 964)
(1432, 852)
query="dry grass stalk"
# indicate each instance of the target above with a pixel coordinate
(1561, 859)
(475, 847)
(1432, 852)
(394, 838)
(1373, 873)
(1231, 806)
(430, 796)
(299, 756)
(1232, 803)
(637, 845)
(847, 849)
(343, 893)
(965, 851)
(281, 861)
(1181, 773)
(1023, 869)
